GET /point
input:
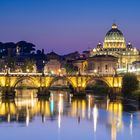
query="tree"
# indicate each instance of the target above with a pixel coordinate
(70, 68)
(1, 49)
(26, 47)
(129, 84)
(11, 63)
(9, 49)
(1, 46)
(28, 65)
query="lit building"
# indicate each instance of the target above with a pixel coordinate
(136, 67)
(114, 44)
(81, 64)
(102, 64)
(53, 66)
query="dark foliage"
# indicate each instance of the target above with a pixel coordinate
(129, 84)
(70, 68)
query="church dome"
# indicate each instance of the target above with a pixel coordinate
(114, 38)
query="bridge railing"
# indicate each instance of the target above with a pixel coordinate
(21, 74)
(53, 75)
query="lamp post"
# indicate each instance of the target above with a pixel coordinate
(27, 70)
(95, 72)
(5, 69)
(59, 71)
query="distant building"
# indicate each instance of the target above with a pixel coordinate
(81, 64)
(115, 45)
(71, 56)
(135, 67)
(102, 65)
(2, 65)
(86, 54)
(53, 66)
(53, 55)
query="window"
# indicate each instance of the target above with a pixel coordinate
(106, 67)
(98, 68)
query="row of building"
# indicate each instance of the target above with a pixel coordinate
(112, 57)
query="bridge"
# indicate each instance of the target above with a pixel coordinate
(40, 81)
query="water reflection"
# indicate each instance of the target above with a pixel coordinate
(95, 117)
(115, 118)
(98, 112)
(131, 124)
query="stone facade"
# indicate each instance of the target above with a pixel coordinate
(115, 45)
(102, 65)
(53, 66)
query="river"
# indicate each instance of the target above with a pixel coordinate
(62, 117)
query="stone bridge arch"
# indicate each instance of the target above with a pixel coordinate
(32, 80)
(92, 79)
(60, 78)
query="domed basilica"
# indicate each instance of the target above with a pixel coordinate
(114, 45)
(114, 38)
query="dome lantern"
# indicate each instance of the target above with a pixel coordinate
(114, 26)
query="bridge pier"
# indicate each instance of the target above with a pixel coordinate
(43, 92)
(79, 92)
(8, 92)
(117, 90)
(114, 92)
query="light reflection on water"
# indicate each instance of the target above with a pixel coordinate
(62, 117)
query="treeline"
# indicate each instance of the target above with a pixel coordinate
(24, 57)
(21, 55)
(130, 86)
(11, 48)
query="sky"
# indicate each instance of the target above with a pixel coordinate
(66, 26)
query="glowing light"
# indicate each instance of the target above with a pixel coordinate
(115, 118)
(94, 50)
(59, 70)
(27, 117)
(52, 72)
(26, 102)
(135, 50)
(95, 117)
(131, 124)
(27, 70)
(60, 109)
(9, 117)
(95, 71)
(52, 104)
(83, 108)
(89, 106)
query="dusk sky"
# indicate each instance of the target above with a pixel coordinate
(67, 25)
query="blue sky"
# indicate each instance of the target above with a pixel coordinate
(67, 25)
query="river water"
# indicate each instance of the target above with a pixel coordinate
(62, 117)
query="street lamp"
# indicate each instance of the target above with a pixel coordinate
(95, 71)
(59, 71)
(52, 72)
(5, 68)
(27, 70)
